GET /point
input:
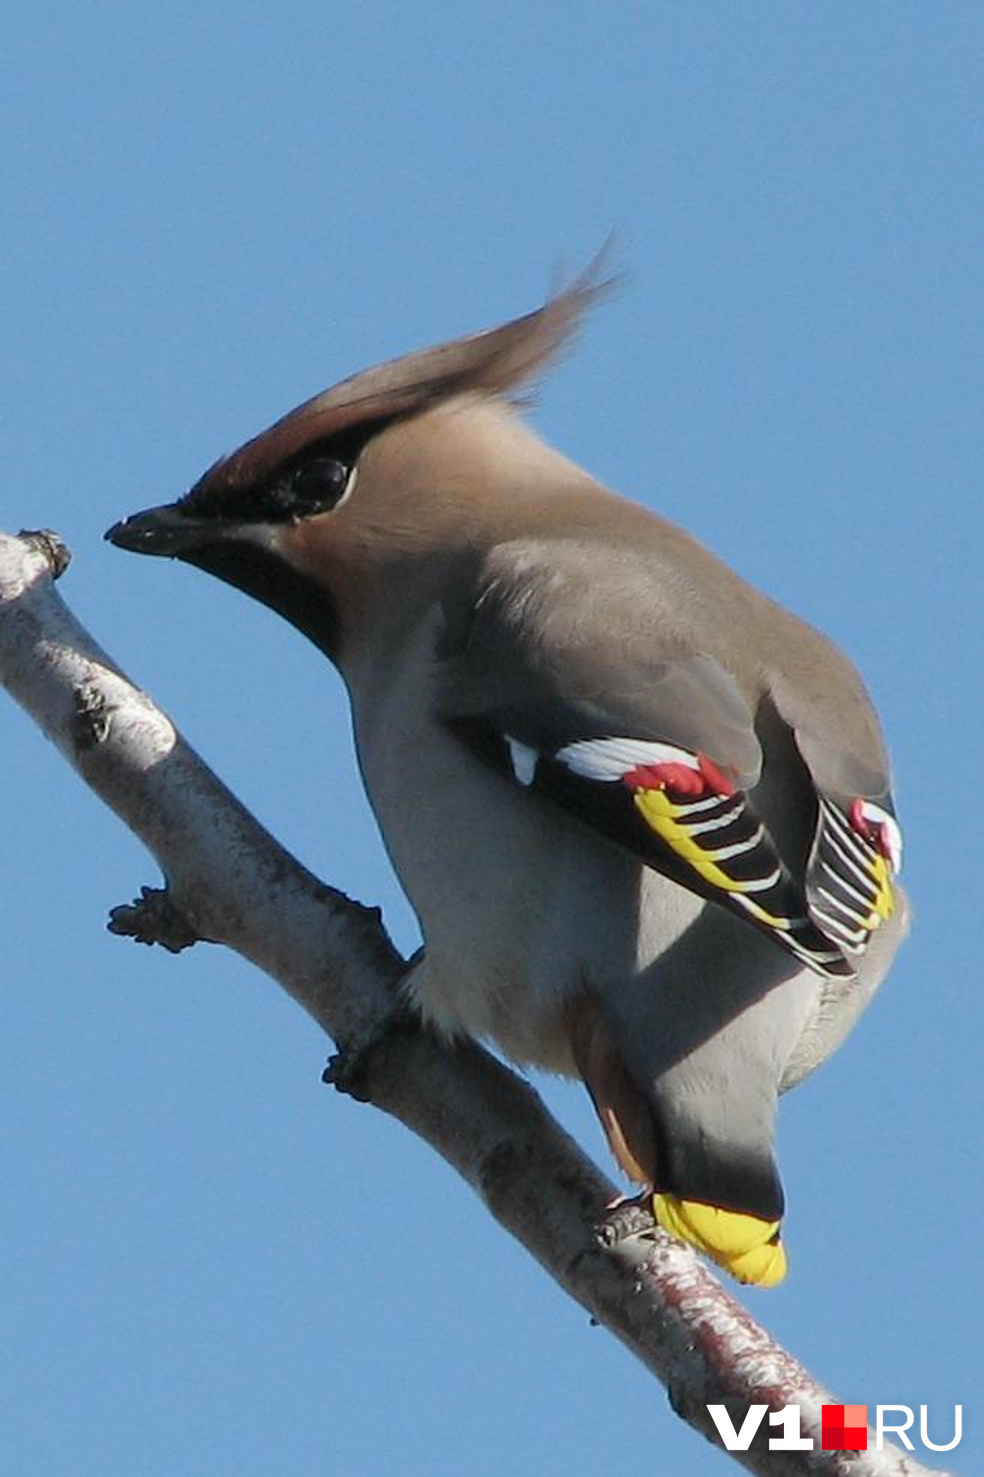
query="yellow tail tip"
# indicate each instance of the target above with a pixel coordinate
(744, 1245)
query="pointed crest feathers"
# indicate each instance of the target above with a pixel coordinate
(492, 362)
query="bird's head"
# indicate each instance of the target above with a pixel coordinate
(390, 460)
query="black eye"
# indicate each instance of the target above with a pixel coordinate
(318, 485)
(310, 485)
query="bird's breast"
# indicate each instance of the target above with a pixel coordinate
(521, 907)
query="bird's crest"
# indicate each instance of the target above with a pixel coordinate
(493, 362)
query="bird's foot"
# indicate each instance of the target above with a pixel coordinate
(348, 1070)
(627, 1218)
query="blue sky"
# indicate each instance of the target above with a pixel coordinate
(211, 1263)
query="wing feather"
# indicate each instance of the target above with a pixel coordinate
(655, 746)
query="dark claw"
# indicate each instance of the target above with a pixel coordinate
(348, 1070)
(627, 1220)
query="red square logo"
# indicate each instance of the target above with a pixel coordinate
(844, 1427)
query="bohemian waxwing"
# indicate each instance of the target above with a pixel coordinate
(642, 812)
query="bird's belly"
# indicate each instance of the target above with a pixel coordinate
(521, 907)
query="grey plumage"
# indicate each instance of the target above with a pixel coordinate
(642, 812)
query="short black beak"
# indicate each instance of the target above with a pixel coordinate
(166, 531)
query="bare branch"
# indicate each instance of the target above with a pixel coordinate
(228, 881)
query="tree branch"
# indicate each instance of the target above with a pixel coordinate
(229, 881)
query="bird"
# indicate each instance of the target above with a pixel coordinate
(643, 813)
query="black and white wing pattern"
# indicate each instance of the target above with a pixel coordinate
(655, 746)
(856, 856)
(678, 812)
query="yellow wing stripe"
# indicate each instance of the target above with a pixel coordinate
(883, 905)
(852, 877)
(662, 815)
